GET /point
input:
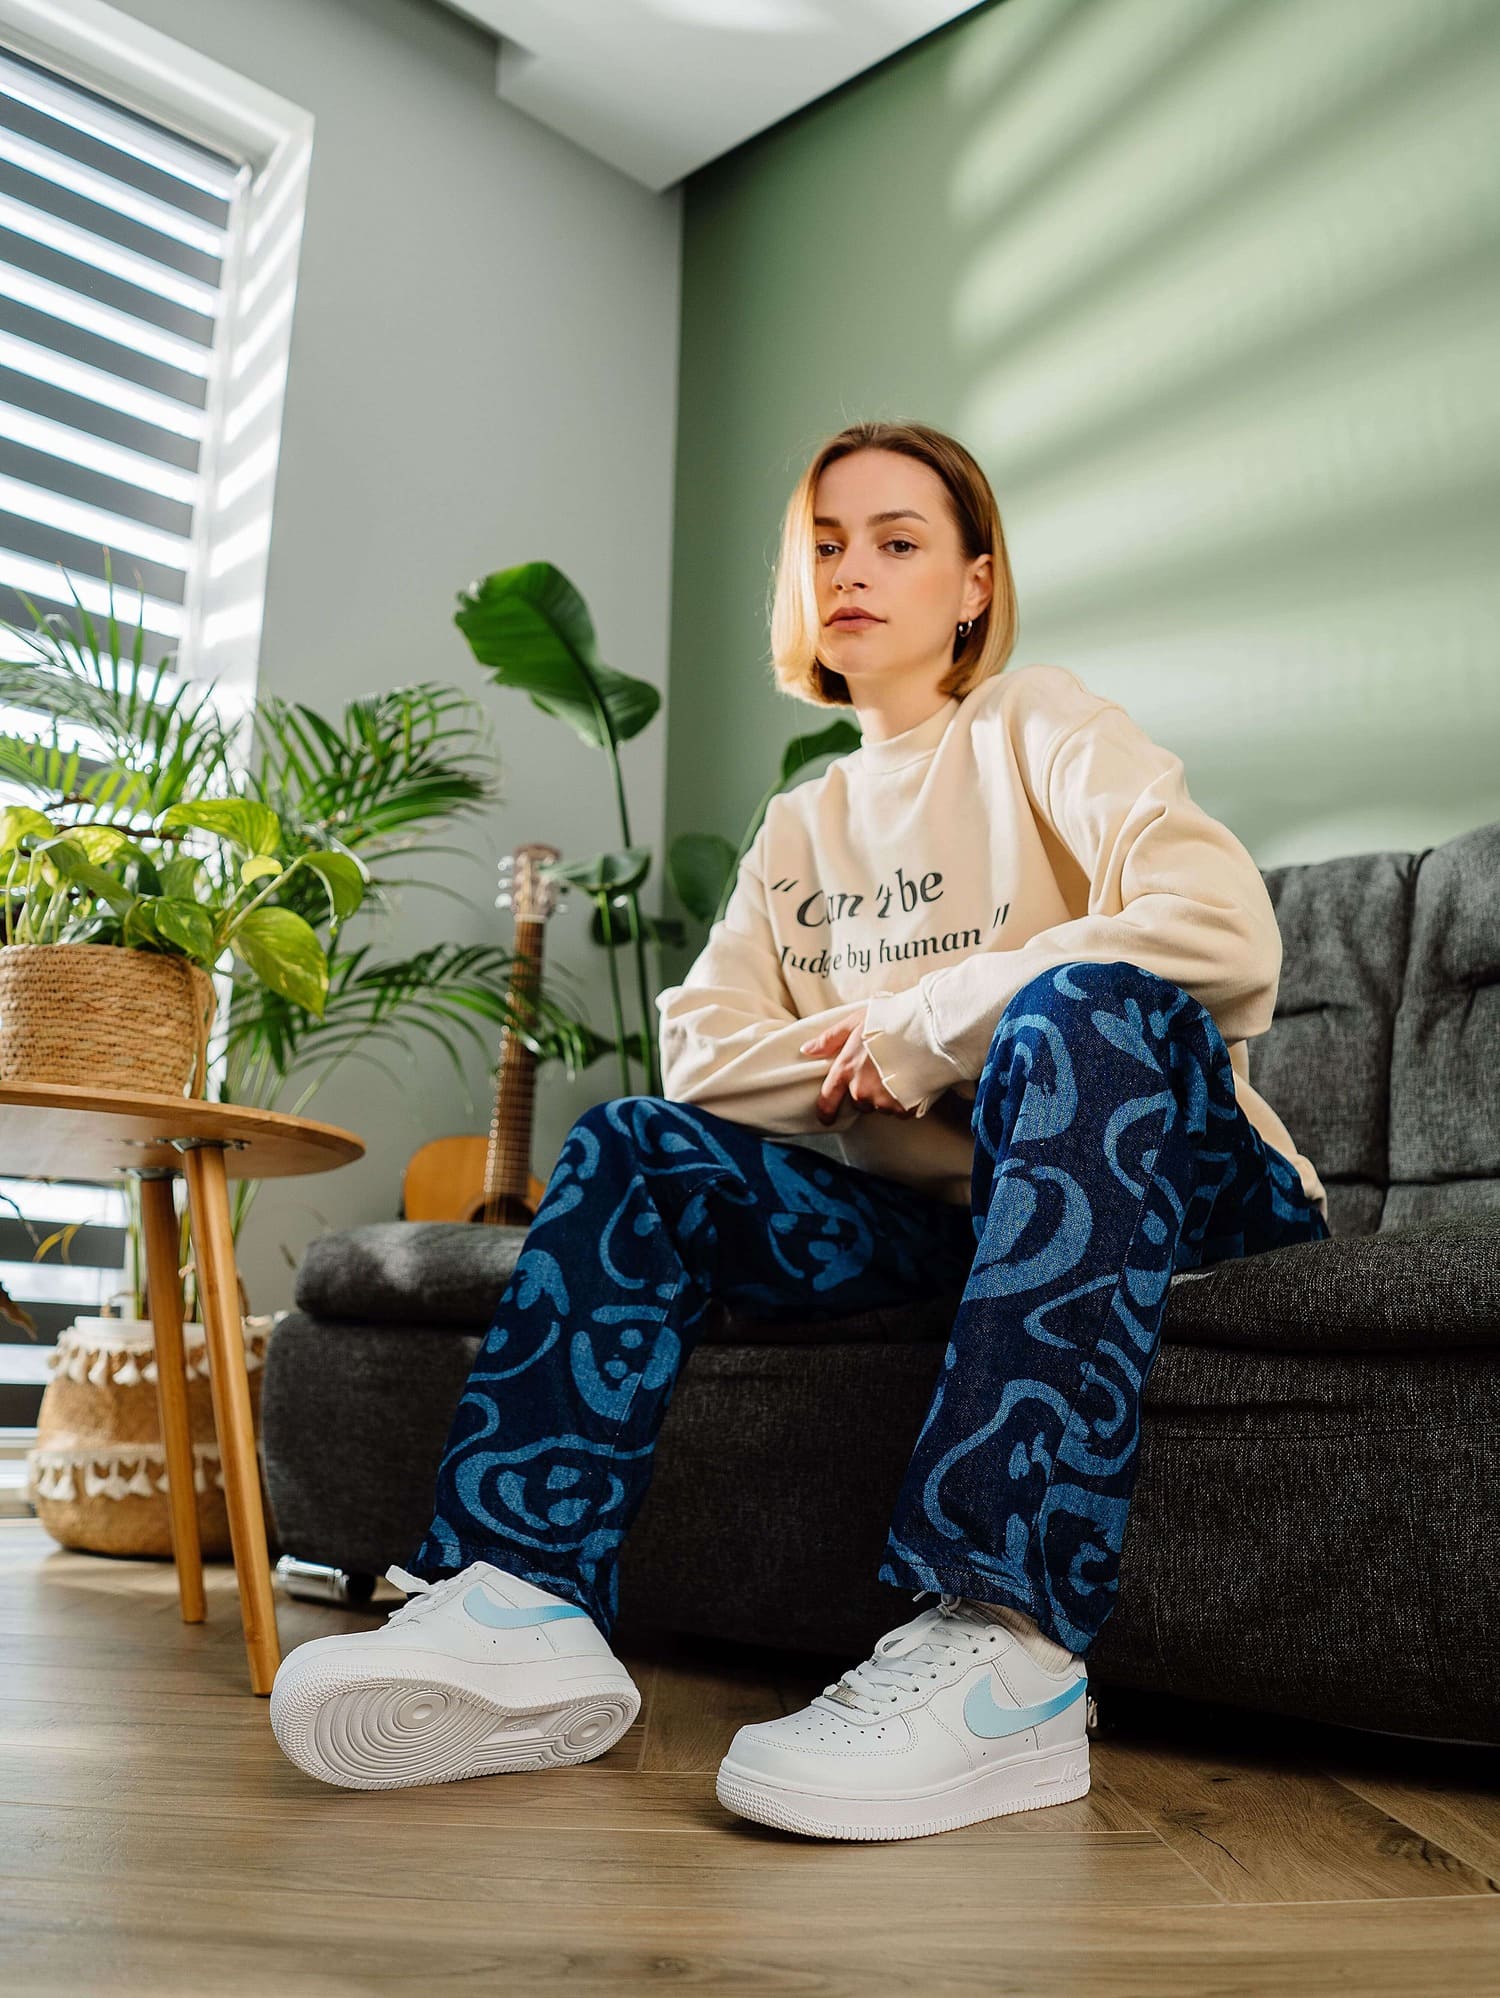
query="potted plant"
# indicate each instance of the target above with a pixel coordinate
(109, 933)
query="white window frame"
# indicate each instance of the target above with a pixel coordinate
(110, 52)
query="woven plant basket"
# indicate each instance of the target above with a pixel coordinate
(100, 1016)
(97, 1475)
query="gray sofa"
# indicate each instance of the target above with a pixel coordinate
(1317, 1510)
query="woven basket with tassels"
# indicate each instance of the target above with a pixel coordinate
(101, 1016)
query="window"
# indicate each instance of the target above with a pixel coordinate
(150, 219)
(113, 238)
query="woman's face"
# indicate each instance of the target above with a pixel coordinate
(887, 543)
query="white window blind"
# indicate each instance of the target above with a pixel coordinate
(114, 234)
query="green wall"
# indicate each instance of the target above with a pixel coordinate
(1210, 288)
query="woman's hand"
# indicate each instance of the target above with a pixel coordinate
(852, 1069)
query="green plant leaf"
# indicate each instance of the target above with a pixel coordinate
(283, 951)
(257, 865)
(186, 924)
(74, 865)
(412, 755)
(180, 877)
(244, 822)
(105, 842)
(162, 741)
(530, 626)
(667, 930)
(697, 866)
(343, 877)
(602, 873)
(19, 821)
(141, 875)
(834, 740)
(139, 931)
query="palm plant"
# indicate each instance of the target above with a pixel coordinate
(380, 784)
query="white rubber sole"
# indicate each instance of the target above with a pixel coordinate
(1025, 1783)
(367, 1732)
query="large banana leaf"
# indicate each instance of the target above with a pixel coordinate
(530, 626)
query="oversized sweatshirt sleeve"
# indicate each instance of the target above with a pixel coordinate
(729, 1032)
(1169, 888)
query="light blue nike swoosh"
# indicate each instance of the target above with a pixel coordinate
(479, 1606)
(986, 1716)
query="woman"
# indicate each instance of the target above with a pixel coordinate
(1002, 956)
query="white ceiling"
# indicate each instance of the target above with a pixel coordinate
(661, 87)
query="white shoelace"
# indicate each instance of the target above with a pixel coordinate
(424, 1595)
(904, 1657)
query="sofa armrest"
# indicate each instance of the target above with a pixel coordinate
(1434, 1285)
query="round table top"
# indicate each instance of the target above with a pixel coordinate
(54, 1130)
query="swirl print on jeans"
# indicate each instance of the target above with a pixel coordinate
(1110, 1150)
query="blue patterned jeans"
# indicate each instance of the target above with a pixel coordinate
(1109, 1151)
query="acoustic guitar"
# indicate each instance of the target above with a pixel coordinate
(490, 1179)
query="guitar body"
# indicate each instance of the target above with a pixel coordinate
(489, 1180)
(445, 1181)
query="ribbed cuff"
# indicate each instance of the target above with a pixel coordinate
(897, 1037)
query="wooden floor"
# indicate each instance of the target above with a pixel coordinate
(153, 1839)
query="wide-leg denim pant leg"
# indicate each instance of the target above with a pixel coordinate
(1110, 1150)
(652, 1209)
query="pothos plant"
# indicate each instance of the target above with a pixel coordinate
(103, 884)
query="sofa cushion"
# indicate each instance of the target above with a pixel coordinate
(1344, 926)
(1445, 1105)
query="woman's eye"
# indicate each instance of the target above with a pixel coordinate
(897, 542)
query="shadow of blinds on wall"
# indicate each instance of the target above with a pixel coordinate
(114, 233)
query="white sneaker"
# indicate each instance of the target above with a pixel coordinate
(950, 1720)
(479, 1673)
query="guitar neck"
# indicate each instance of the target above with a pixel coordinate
(507, 1167)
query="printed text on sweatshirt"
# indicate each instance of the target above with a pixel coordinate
(928, 878)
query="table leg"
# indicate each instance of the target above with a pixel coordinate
(218, 1287)
(164, 1292)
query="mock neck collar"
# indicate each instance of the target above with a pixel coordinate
(911, 744)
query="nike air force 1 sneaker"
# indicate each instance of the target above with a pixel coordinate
(950, 1720)
(476, 1674)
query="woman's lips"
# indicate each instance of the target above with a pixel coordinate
(855, 623)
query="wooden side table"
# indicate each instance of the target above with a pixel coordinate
(53, 1131)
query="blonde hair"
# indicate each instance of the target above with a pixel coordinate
(795, 623)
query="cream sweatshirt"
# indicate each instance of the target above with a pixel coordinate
(925, 879)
